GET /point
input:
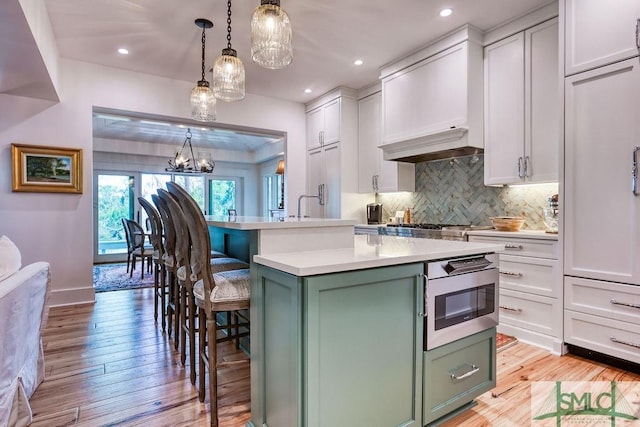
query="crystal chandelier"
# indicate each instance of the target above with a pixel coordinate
(180, 162)
(271, 40)
(228, 70)
(203, 101)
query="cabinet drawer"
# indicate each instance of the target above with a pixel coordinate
(530, 312)
(524, 247)
(457, 373)
(610, 300)
(612, 337)
(533, 275)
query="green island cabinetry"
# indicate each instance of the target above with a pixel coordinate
(457, 373)
(338, 349)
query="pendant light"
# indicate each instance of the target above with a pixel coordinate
(271, 40)
(228, 70)
(203, 101)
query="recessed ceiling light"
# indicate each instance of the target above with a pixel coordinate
(358, 62)
(307, 91)
(123, 51)
(446, 12)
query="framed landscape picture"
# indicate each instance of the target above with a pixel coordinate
(46, 169)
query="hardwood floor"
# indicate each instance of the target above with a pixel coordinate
(110, 364)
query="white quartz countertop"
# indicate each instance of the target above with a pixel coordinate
(370, 225)
(371, 251)
(522, 234)
(260, 223)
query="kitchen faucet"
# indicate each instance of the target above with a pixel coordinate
(319, 196)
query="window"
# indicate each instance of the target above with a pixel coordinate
(272, 190)
(149, 184)
(222, 196)
(194, 184)
(116, 197)
(115, 200)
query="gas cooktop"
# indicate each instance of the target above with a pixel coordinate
(430, 231)
(429, 226)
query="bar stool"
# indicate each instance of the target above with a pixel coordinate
(187, 318)
(213, 293)
(168, 280)
(158, 265)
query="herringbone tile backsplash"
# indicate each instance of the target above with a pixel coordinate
(453, 192)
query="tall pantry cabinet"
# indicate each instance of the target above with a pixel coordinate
(332, 157)
(601, 191)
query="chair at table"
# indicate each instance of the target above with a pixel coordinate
(136, 246)
(155, 224)
(213, 292)
(183, 264)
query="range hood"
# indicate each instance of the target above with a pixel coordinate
(444, 144)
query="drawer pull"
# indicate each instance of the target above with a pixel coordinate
(474, 369)
(517, 310)
(513, 247)
(612, 301)
(630, 344)
(510, 273)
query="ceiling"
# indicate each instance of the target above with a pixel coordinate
(163, 40)
(114, 125)
(328, 36)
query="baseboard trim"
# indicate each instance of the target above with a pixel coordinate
(616, 362)
(64, 297)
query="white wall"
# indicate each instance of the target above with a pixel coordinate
(58, 227)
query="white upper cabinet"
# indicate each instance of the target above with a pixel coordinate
(323, 124)
(434, 90)
(332, 157)
(522, 107)
(599, 32)
(374, 173)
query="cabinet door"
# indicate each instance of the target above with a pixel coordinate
(389, 176)
(315, 126)
(315, 177)
(602, 219)
(542, 102)
(331, 131)
(362, 348)
(599, 32)
(368, 141)
(332, 181)
(429, 96)
(504, 111)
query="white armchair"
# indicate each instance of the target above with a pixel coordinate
(23, 316)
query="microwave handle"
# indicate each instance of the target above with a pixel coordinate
(424, 305)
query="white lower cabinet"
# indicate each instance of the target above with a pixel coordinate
(603, 316)
(530, 297)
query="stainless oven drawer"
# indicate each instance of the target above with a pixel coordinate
(457, 373)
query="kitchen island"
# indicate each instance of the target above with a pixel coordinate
(339, 338)
(244, 236)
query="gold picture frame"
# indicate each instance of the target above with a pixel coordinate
(44, 169)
